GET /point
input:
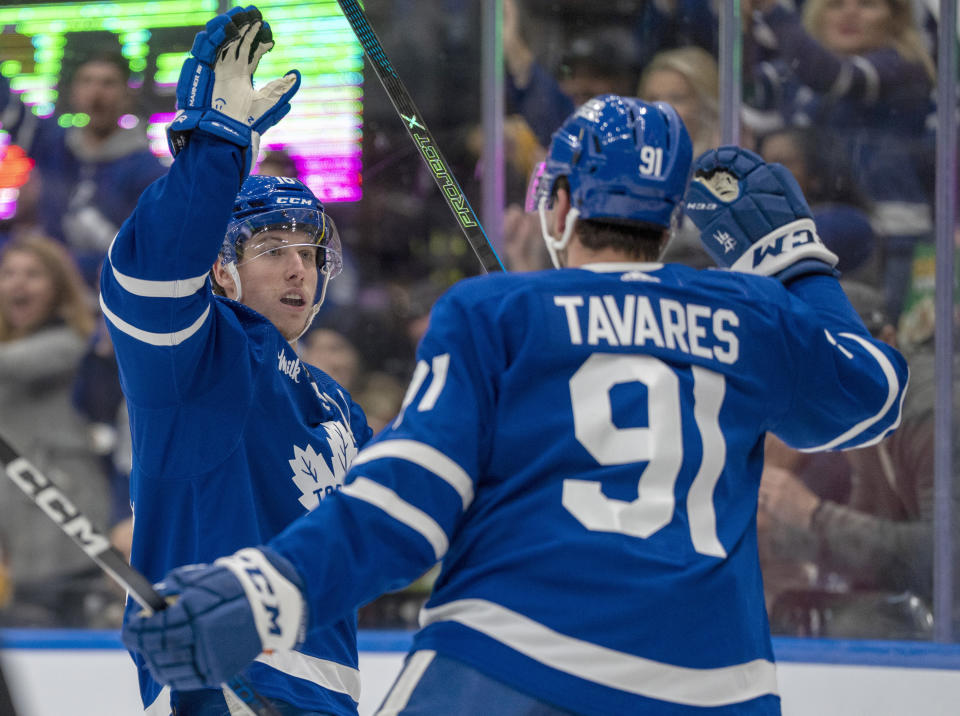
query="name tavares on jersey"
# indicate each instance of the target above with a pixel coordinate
(636, 320)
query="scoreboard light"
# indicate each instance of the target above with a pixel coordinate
(323, 131)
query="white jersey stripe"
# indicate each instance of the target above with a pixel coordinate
(426, 457)
(406, 682)
(633, 674)
(893, 389)
(328, 674)
(177, 288)
(154, 339)
(390, 502)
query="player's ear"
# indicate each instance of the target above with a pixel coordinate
(561, 207)
(222, 280)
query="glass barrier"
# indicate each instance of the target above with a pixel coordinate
(847, 549)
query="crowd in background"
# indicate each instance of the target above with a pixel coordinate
(839, 91)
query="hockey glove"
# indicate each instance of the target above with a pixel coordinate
(224, 615)
(753, 217)
(215, 92)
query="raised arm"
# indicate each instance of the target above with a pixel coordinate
(155, 293)
(753, 218)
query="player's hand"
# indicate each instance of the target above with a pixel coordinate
(215, 91)
(221, 617)
(753, 217)
(236, 62)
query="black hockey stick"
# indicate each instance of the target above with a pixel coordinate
(58, 507)
(422, 138)
(6, 701)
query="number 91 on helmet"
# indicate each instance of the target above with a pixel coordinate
(625, 161)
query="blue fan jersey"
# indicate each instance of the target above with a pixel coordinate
(582, 449)
(234, 437)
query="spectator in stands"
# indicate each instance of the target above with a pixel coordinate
(329, 347)
(840, 209)
(91, 175)
(278, 163)
(98, 397)
(858, 69)
(45, 321)
(687, 78)
(664, 24)
(868, 559)
(595, 63)
(6, 586)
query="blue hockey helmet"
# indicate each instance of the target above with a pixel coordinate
(626, 161)
(293, 216)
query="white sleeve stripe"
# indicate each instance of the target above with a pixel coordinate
(426, 457)
(717, 686)
(886, 433)
(323, 672)
(399, 695)
(154, 339)
(390, 502)
(177, 288)
(893, 390)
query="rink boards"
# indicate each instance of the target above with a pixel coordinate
(87, 673)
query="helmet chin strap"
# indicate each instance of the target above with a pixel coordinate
(556, 245)
(231, 269)
(316, 306)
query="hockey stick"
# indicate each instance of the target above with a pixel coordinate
(48, 497)
(6, 701)
(421, 136)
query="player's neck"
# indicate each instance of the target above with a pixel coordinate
(579, 255)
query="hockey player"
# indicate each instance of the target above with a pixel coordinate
(582, 449)
(234, 437)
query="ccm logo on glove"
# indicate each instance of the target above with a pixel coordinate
(796, 240)
(276, 604)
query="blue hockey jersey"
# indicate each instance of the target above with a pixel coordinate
(582, 449)
(233, 436)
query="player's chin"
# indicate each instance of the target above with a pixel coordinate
(291, 326)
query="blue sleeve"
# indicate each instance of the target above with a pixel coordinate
(542, 103)
(155, 292)
(407, 490)
(848, 387)
(358, 424)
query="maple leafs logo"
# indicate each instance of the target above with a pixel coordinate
(313, 475)
(726, 241)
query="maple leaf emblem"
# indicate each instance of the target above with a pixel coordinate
(313, 475)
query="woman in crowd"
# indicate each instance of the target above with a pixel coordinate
(688, 79)
(46, 318)
(859, 71)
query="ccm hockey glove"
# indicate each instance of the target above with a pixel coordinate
(753, 217)
(215, 92)
(223, 616)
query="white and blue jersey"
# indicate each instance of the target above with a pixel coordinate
(233, 436)
(582, 449)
